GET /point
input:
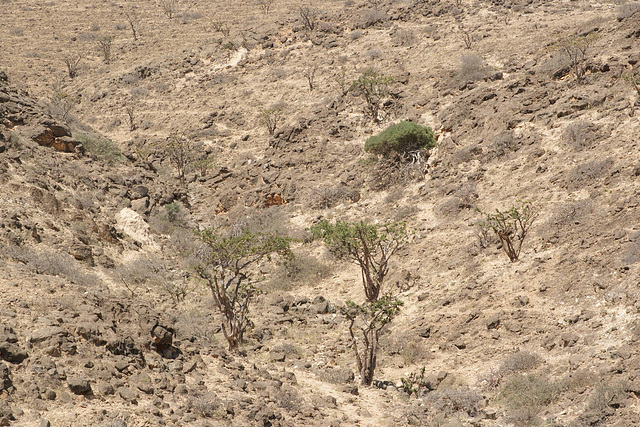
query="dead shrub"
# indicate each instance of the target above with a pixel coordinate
(207, 405)
(53, 263)
(519, 362)
(587, 173)
(527, 395)
(449, 401)
(472, 68)
(371, 17)
(403, 38)
(301, 270)
(330, 196)
(579, 135)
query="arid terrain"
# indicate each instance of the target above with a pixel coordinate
(103, 319)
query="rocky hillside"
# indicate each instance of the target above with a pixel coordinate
(102, 319)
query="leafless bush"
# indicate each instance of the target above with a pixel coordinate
(308, 16)
(310, 75)
(104, 46)
(299, 271)
(330, 196)
(404, 37)
(131, 117)
(222, 27)
(522, 361)
(72, 61)
(169, 7)
(527, 395)
(133, 19)
(449, 401)
(374, 3)
(207, 405)
(149, 271)
(265, 5)
(356, 34)
(371, 17)
(588, 172)
(467, 37)
(53, 263)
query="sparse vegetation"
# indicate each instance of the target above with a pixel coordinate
(271, 118)
(104, 46)
(576, 49)
(72, 62)
(366, 321)
(99, 147)
(373, 88)
(309, 17)
(310, 75)
(512, 227)
(226, 264)
(181, 152)
(265, 5)
(133, 19)
(370, 246)
(169, 7)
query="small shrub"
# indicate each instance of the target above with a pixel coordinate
(373, 88)
(99, 147)
(512, 227)
(309, 17)
(271, 118)
(402, 139)
(104, 46)
(575, 48)
(72, 63)
(414, 383)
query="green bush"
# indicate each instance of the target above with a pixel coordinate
(99, 147)
(401, 138)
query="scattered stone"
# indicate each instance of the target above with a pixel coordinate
(47, 333)
(79, 385)
(189, 366)
(143, 382)
(128, 395)
(44, 423)
(12, 353)
(493, 322)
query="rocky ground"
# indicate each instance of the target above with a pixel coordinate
(102, 320)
